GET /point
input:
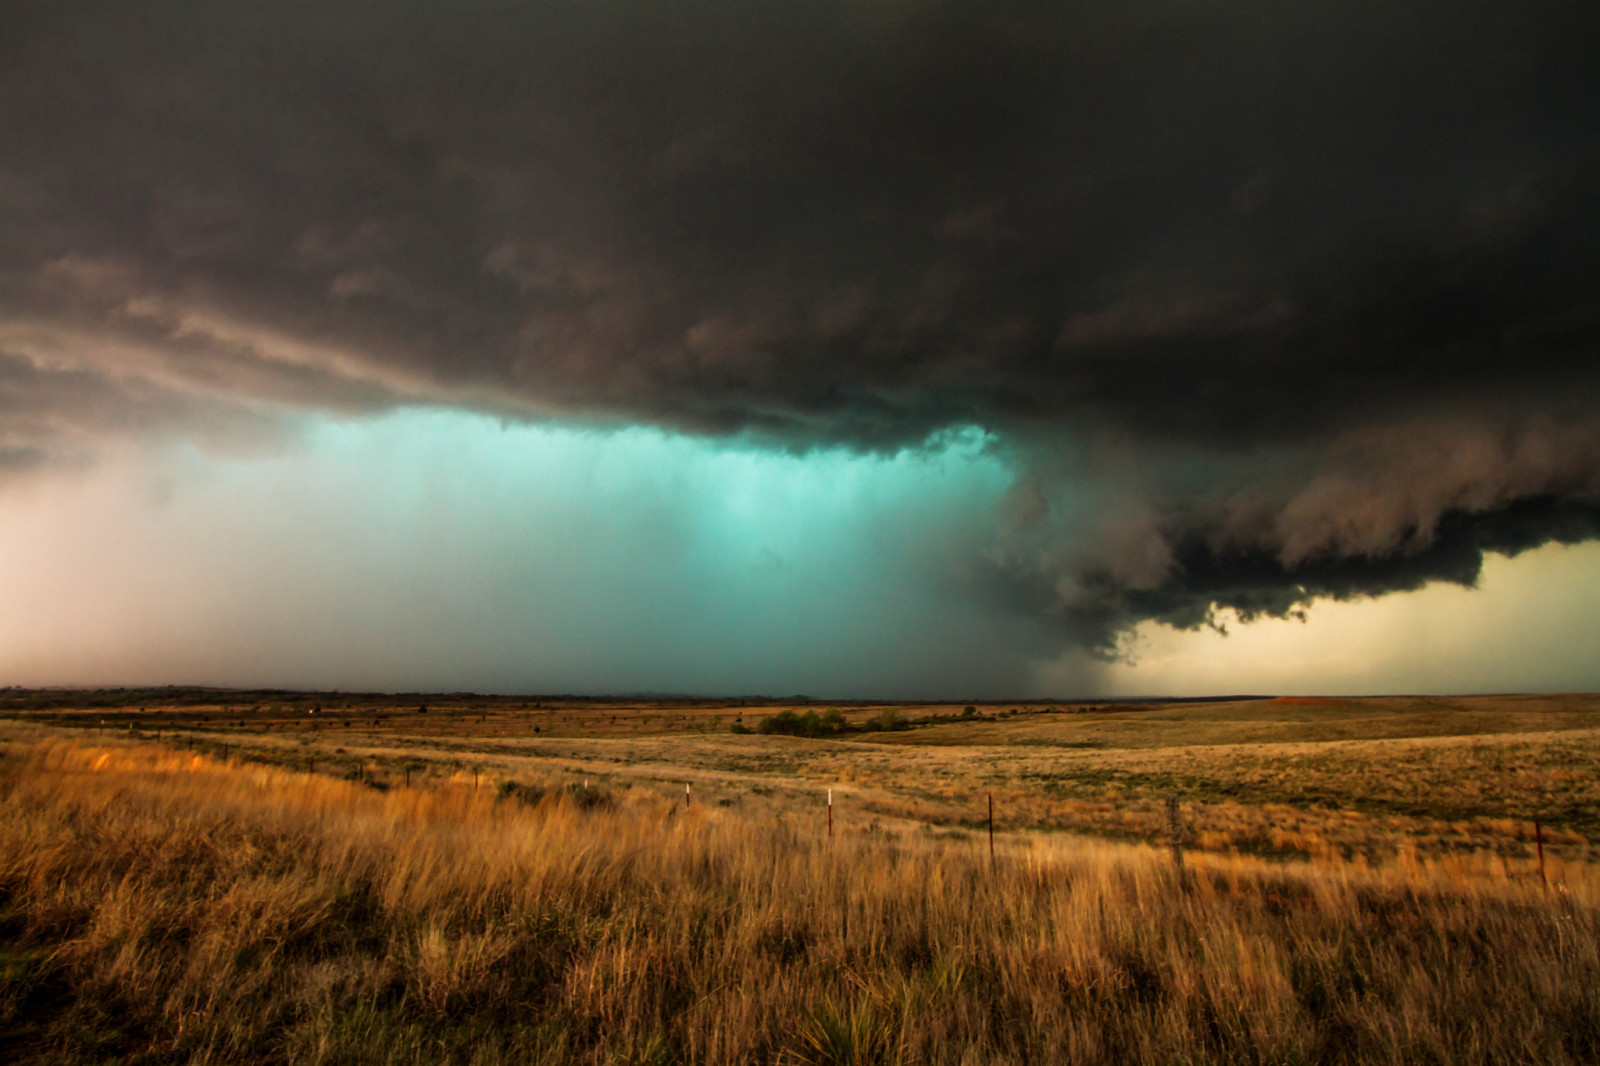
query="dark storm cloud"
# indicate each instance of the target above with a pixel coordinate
(1234, 282)
(1256, 582)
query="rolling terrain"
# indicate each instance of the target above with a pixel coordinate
(226, 877)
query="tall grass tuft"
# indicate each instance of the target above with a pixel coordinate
(834, 1035)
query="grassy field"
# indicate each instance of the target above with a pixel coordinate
(1293, 779)
(202, 877)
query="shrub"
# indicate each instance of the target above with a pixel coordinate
(529, 794)
(810, 724)
(590, 799)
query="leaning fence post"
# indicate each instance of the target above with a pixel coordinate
(1538, 842)
(1175, 828)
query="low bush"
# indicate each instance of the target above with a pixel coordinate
(810, 724)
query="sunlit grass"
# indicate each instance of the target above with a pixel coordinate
(163, 904)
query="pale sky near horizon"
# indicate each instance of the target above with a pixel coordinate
(1531, 625)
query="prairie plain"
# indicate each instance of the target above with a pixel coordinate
(199, 876)
(1285, 778)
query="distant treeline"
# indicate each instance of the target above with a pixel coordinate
(832, 722)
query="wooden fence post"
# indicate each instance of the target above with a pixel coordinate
(830, 814)
(1175, 828)
(991, 830)
(686, 795)
(1538, 842)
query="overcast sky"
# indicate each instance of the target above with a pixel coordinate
(884, 348)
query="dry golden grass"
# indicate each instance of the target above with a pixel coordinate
(165, 906)
(1297, 779)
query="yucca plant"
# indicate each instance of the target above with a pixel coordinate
(850, 1035)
